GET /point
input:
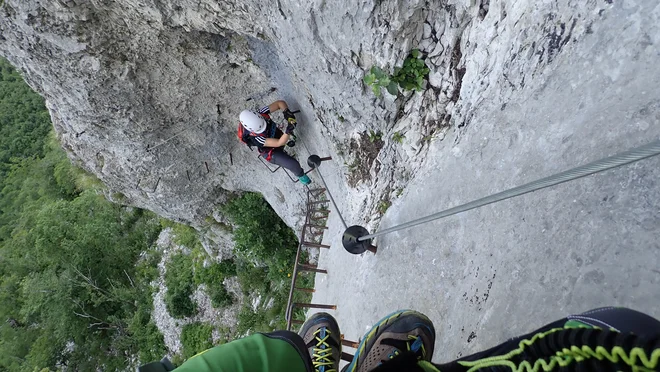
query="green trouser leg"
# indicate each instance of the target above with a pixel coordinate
(274, 352)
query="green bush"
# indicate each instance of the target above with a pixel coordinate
(179, 283)
(185, 272)
(195, 338)
(375, 136)
(24, 120)
(185, 235)
(214, 273)
(398, 137)
(253, 279)
(254, 321)
(377, 79)
(261, 236)
(410, 76)
(189, 270)
(146, 337)
(220, 297)
(383, 206)
(214, 276)
(210, 221)
(265, 250)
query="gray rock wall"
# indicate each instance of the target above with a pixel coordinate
(145, 94)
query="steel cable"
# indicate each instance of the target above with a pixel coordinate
(618, 160)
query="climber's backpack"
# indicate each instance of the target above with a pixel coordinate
(244, 135)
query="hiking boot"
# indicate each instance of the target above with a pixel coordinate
(403, 332)
(321, 335)
(304, 179)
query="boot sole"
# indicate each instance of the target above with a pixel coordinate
(384, 325)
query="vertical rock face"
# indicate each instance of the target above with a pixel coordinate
(132, 89)
(146, 94)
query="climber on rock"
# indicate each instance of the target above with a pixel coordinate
(258, 129)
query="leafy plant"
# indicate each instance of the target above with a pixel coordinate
(185, 235)
(383, 206)
(24, 120)
(145, 334)
(179, 280)
(195, 338)
(265, 250)
(261, 237)
(412, 74)
(377, 79)
(375, 136)
(214, 273)
(213, 277)
(119, 198)
(220, 297)
(398, 137)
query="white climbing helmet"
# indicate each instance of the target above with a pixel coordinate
(252, 121)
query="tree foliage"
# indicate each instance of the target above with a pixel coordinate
(74, 278)
(195, 338)
(261, 236)
(266, 252)
(179, 283)
(24, 123)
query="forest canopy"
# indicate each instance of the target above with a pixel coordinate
(74, 268)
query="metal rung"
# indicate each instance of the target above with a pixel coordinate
(316, 233)
(265, 163)
(347, 357)
(326, 211)
(296, 321)
(316, 218)
(317, 191)
(308, 290)
(309, 244)
(348, 343)
(318, 202)
(312, 269)
(316, 226)
(316, 306)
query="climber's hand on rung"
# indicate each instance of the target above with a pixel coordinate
(290, 117)
(290, 128)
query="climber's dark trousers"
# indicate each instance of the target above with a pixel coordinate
(285, 160)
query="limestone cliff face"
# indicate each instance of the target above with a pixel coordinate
(145, 94)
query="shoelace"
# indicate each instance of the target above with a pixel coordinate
(322, 353)
(414, 344)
